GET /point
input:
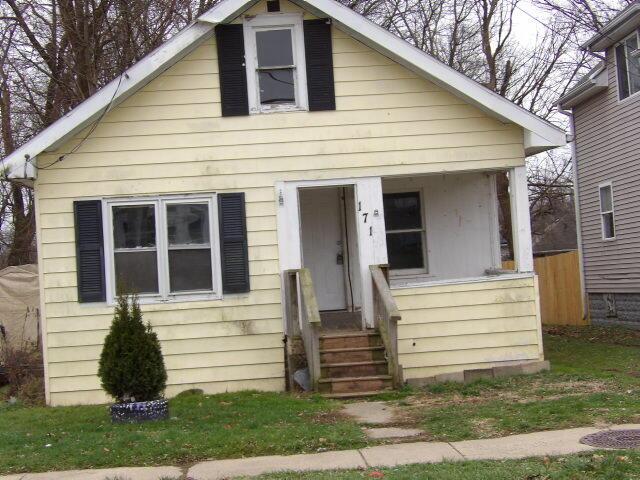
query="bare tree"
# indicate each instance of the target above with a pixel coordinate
(55, 54)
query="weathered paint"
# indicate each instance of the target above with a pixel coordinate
(169, 138)
(456, 327)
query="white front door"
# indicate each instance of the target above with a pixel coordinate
(322, 249)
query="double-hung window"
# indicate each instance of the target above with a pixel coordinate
(405, 232)
(163, 247)
(606, 211)
(275, 62)
(628, 65)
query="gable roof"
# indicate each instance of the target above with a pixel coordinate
(540, 135)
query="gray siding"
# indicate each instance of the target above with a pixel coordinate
(608, 149)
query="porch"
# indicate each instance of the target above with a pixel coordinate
(387, 280)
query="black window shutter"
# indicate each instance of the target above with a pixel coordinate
(231, 70)
(319, 59)
(623, 79)
(233, 243)
(89, 251)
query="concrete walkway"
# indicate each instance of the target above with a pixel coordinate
(557, 442)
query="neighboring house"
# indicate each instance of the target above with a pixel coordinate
(266, 137)
(605, 107)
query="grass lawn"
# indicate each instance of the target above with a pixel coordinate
(220, 426)
(600, 465)
(595, 379)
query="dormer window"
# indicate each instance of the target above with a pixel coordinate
(628, 65)
(275, 62)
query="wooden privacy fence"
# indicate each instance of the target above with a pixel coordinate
(559, 281)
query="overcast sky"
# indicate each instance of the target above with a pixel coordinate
(526, 27)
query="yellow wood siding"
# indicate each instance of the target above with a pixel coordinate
(456, 327)
(170, 138)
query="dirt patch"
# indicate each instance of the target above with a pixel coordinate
(411, 409)
(606, 335)
(329, 418)
(485, 428)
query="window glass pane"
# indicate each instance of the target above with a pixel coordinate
(274, 48)
(134, 226)
(606, 203)
(633, 64)
(188, 224)
(402, 211)
(405, 250)
(136, 272)
(608, 227)
(276, 86)
(190, 270)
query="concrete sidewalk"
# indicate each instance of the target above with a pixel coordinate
(551, 443)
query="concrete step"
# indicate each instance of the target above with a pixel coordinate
(350, 395)
(358, 354)
(355, 384)
(366, 338)
(354, 369)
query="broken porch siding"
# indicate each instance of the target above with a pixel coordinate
(468, 326)
(169, 138)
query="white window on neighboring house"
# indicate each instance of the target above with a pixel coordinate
(606, 211)
(275, 62)
(628, 65)
(406, 242)
(163, 247)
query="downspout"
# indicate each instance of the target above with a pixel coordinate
(576, 204)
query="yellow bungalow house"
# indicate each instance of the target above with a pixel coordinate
(251, 179)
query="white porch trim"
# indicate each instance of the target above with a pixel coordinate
(371, 235)
(520, 219)
(400, 285)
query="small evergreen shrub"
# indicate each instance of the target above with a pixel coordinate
(131, 366)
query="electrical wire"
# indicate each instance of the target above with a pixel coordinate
(346, 235)
(91, 130)
(573, 42)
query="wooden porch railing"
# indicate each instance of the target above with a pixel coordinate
(306, 320)
(386, 317)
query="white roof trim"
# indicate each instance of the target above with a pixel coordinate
(597, 81)
(110, 95)
(425, 65)
(540, 135)
(618, 28)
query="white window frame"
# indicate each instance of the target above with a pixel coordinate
(626, 59)
(275, 21)
(160, 203)
(603, 212)
(407, 272)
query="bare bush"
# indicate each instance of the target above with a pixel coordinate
(23, 367)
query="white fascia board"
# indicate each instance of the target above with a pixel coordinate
(109, 96)
(597, 82)
(226, 10)
(419, 62)
(619, 27)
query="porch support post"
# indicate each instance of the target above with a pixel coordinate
(520, 219)
(289, 250)
(372, 241)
